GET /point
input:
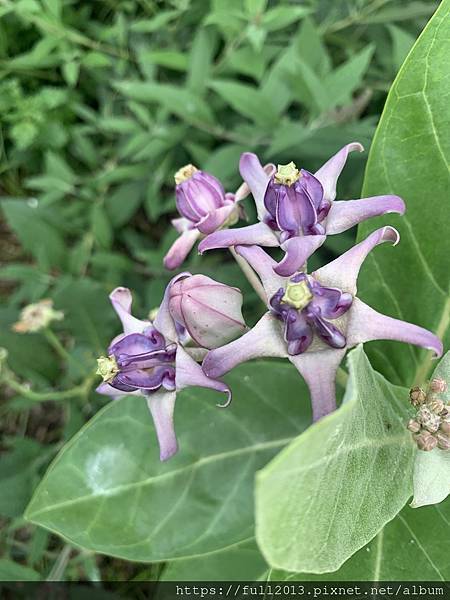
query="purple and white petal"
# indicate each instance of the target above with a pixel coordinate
(264, 265)
(242, 192)
(161, 405)
(318, 369)
(180, 249)
(181, 224)
(164, 322)
(256, 177)
(329, 172)
(298, 250)
(259, 234)
(189, 373)
(345, 214)
(366, 324)
(264, 340)
(215, 219)
(343, 272)
(121, 300)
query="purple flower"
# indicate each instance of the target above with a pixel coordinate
(204, 207)
(208, 310)
(297, 209)
(148, 359)
(313, 319)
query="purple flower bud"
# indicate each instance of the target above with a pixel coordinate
(438, 385)
(210, 311)
(198, 194)
(443, 441)
(413, 426)
(425, 441)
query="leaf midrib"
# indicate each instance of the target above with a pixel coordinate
(156, 478)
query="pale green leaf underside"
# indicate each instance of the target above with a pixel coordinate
(432, 469)
(108, 492)
(410, 156)
(332, 489)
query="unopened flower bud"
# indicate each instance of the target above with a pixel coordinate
(438, 385)
(445, 426)
(436, 405)
(428, 419)
(417, 396)
(413, 426)
(425, 441)
(210, 311)
(443, 441)
(35, 317)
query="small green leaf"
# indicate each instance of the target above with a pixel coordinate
(343, 81)
(101, 227)
(12, 571)
(246, 100)
(180, 101)
(341, 481)
(282, 16)
(120, 500)
(200, 59)
(402, 42)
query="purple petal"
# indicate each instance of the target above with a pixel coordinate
(259, 234)
(181, 224)
(164, 322)
(298, 333)
(107, 390)
(343, 272)
(215, 219)
(136, 344)
(366, 324)
(121, 300)
(180, 249)
(161, 405)
(199, 195)
(265, 339)
(332, 302)
(298, 250)
(189, 373)
(318, 369)
(145, 379)
(242, 192)
(264, 266)
(257, 178)
(345, 214)
(328, 174)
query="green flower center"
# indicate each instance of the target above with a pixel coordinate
(297, 295)
(287, 174)
(107, 367)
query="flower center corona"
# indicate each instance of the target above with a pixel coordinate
(185, 173)
(297, 295)
(287, 174)
(107, 367)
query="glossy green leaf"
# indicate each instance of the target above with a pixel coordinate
(432, 469)
(331, 490)
(410, 157)
(108, 492)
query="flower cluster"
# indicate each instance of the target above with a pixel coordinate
(38, 316)
(431, 425)
(198, 334)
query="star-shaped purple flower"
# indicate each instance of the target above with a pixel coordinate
(297, 210)
(313, 319)
(149, 359)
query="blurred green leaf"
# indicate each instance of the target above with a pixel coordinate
(282, 16)
(13, 571)
(247, 100)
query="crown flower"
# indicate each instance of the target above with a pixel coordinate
(297, 209)
(313, 319)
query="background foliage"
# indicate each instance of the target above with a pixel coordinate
(99, 104)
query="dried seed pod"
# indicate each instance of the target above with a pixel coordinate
(438, 385)
(443, 441)
(425, 441)
(417, 396)
(413, 426)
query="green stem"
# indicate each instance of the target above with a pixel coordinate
(77, 391)
(55, 343)
(250, 275)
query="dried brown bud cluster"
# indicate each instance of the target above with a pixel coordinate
(431, 424)
(35, 317)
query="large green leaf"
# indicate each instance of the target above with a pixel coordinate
(332, 489)
(412, 547)
(410, 157)
(432, 469)
(107, 491)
